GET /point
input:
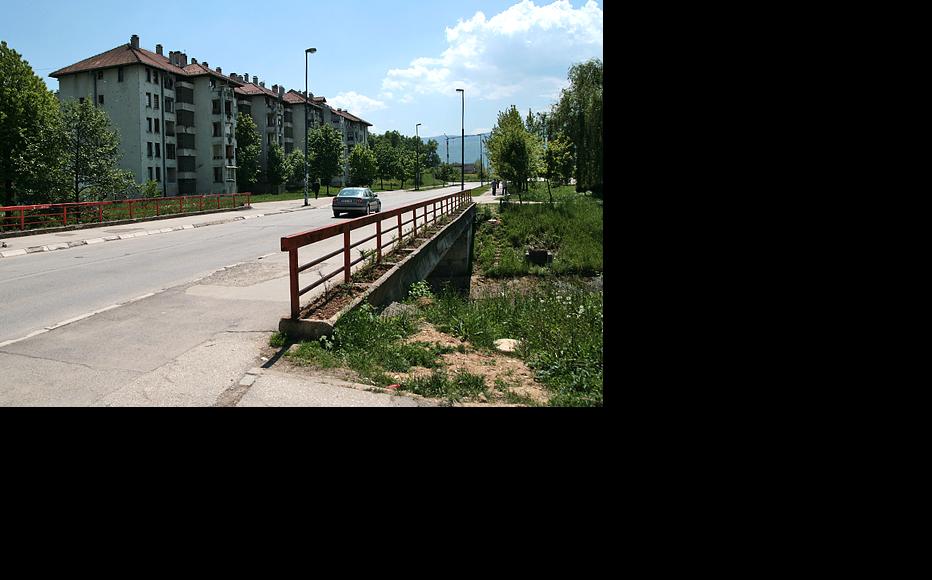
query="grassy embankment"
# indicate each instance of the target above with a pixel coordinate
(557, 316)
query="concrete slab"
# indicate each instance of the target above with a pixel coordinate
(277, 389)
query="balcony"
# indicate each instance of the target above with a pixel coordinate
(271, 129)
(181, 106)
(181, 152)
(187, 175)
(184, 85)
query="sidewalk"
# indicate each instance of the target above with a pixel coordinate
(22, 245)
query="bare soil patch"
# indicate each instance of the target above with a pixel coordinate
(492, 366)
(332, 302)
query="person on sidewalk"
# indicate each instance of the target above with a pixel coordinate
(494, 187)
(316, 188)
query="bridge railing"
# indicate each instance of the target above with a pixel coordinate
(421, 214)
(55, 215)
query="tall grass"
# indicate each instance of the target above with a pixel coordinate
(571, 230)
(560, 326)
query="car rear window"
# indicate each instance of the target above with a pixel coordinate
(351, 193)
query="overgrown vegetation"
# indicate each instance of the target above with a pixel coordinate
(571, 231)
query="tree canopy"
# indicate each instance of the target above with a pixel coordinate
(248, 150)
(578, 115)
(326, 153)
(363, 165)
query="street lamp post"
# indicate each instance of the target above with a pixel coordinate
(306, 124)
(463, 143)
(481, 165)
(417, 158)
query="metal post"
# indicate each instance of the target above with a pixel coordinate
(463, 142)
(293, 269)
(378, 240)
(399, 230)
(417, 158)
(346, 256)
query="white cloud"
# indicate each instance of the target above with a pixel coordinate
(520, 50)
(355, 103)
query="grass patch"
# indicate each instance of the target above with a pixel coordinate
(278, 340)
(560, 325)
(461, 385)
(571, 231)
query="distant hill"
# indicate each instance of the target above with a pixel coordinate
(472, 148)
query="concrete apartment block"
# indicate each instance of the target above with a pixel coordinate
(177, 119)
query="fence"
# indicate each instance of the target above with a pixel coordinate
(32, 217)
(291, 244)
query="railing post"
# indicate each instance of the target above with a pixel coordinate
(293, 269)
(202, 204)
(414, 222)
(346, 256)
(399, 229)
(181, 203)
(425, 216)
(100, 214)
(218, 202)
(234, 201)
(156, 207)
(378, 241)
(130, 208)
(64, 219)
(22, 219)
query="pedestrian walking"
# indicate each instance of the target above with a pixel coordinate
(316, 188)
(494, 187)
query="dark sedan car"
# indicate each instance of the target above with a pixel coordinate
(359, 200)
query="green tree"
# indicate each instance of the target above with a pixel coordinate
(90, 150)
(326, 154)
(559, 162)
(404, 166)
(248, 150)
(386, 160)
(363, 165)
(294, 169)
(29, 118)
(275, 167)
(513, 151)
(578, 115)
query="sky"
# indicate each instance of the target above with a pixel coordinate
(394, 63)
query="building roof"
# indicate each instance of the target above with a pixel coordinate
(251, 90)
(293, 97)
(122, 55)
(198, 69)
(346, 115)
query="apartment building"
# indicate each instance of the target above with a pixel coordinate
(176, 119)
(295, 125)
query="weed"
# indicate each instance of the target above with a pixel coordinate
(278, 340)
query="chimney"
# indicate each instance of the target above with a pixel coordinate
(281, 91)
(206, 65)
(193, 60)
(255, 80)
(183, 59)
(158, 50)
(219, 70)
(262, 84)
(134, 41)
(275, 89)
(246, 77)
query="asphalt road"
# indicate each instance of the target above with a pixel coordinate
(44, 289)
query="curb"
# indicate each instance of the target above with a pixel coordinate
(78, 243)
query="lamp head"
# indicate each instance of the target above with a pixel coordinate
(311, 50)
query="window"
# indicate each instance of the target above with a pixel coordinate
(158, 150)
(100, 99)
(169, 151)
(169, 83)
(148, 124)
(148, 75)
(218, 175)
(119, 74)
(150, 173)
(229, 152)
(216, 104)
(100, 74)
(169, 105)
(170, 128)
(149, 100)
(158, 174)
(156, 101)
(218, 151)
(149, 153)
(156, 125)
(229, 107)
(155, 76)
(217, 130)
(231, 174)
(172, 175)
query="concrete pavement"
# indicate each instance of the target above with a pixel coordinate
(178, 344)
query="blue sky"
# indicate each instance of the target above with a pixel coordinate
(394, 63)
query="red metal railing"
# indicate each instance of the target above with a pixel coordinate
(31, 217)
(436, 208)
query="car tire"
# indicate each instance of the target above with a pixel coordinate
(336, 214)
